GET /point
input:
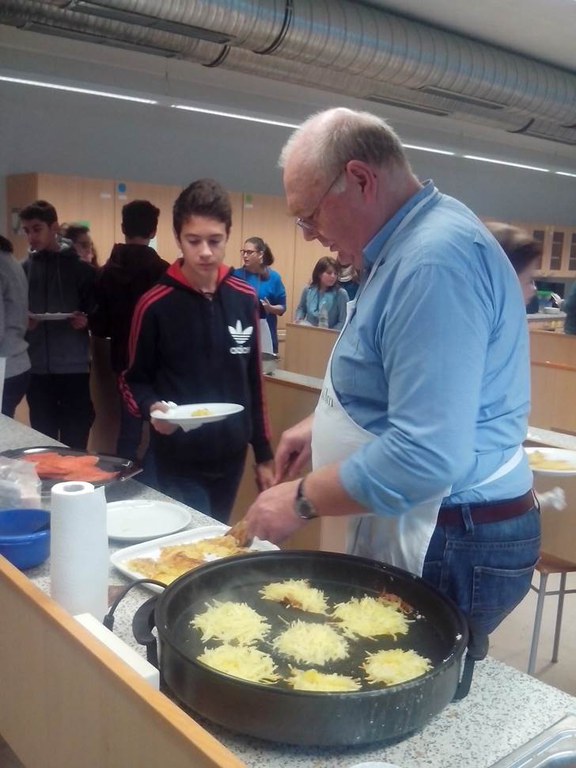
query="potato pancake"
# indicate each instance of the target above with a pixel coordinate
(394, 666)
(308, 643)
(241, 661)
(296, 593)
(313, 680)
(231, 622)
(370, 617)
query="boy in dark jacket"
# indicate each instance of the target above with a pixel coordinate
(132, 269)
(195, 339)
(61, 295)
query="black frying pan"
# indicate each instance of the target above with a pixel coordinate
(280, 713)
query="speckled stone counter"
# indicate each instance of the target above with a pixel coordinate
(503, 709)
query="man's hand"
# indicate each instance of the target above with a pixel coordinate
(294, 450)
(272, 516)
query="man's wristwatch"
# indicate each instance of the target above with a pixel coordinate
(302, 505)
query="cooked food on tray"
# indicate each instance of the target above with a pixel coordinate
(312, 644)
(174, 561)
(370, 617)
(231, 622)
(313, 680)
(55, 466)
(296, 593)
(539, 460)
(241, 661)
(395, 666)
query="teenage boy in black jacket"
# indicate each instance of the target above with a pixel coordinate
(194, 339)
(132, 269)
(61, 295)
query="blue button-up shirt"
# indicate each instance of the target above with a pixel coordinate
(435, 363)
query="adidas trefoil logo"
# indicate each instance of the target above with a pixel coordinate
(240, 336)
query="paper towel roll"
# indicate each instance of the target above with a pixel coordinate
(79, 548)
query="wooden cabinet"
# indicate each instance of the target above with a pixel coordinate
(558, 249)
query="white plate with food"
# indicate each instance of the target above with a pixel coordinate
(552, 461)
(141, 520)
(195, 415)
(169, 557)
(50, 315)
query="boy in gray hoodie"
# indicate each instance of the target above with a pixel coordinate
(61, 295)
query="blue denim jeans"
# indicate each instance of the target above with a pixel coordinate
(486, 569)
(209, 490)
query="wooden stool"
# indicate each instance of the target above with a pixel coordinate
(548, 564)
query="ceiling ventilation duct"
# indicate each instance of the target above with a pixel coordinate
(336, 45)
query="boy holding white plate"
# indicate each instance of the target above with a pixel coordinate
(195, 340)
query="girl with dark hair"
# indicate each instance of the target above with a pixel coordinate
(323, 302)
(257, 259)
(81, 241)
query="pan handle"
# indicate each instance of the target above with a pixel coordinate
(143, 623)
(476, 651)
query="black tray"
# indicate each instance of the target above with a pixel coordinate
(126, 468)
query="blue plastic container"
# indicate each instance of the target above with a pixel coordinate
(20, 540)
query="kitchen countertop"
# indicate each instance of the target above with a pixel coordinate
(503, 709)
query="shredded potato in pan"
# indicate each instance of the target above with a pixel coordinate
(311, 643)
(395, 666)
(369, 617)
(313, 680)
(231, 623)
(296, 593)
(241, 661)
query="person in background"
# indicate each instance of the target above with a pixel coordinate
(13, 327)
(348, 277)
(58, 282)
(523, 251)
(257, 260)
(78, 235)
(195, 339)
(419, 428)
(132, 269)
(569, 306)
(323, 302)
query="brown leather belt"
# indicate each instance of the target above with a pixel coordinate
(488, 513)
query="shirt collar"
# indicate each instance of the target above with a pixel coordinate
(374, 247)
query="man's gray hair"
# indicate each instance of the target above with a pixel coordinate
(328, 140)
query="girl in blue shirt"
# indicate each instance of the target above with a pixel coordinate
(323, 302)
(257, 259)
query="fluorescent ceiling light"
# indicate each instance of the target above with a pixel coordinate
(234, 115)
(428, 149)
(71, 89)
(565, 173)
(505, 162)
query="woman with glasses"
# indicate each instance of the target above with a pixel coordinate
(323, 302)
(257, 259)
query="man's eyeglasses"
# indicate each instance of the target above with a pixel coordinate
(245, 252)
(307, 223)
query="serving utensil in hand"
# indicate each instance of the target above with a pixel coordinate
(239, 532)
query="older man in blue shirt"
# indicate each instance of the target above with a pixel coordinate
(419, 428)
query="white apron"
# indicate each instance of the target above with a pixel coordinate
(399, 540)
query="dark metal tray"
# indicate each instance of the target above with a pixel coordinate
(126, 468)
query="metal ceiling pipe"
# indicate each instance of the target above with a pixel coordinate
(50, 17)
(348, 37)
